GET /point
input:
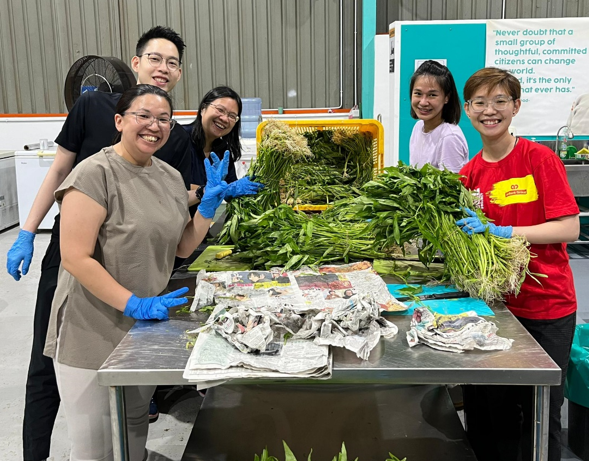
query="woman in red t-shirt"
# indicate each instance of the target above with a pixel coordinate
(522, 187)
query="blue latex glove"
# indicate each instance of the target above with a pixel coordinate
(223, 164)
(243, 186)
(20, 252)
(215, 188)
(473, 225)
(155, 307)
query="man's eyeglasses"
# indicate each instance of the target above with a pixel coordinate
(146, 119)
(156, 59)
(222, 111)
(480, 104)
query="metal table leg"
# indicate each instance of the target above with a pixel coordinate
(118, 421)
(541, 413)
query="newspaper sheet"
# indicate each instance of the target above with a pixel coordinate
(214, 359)
(278, 322)
(454, 333)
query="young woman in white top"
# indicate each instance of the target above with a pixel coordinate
(436, 138)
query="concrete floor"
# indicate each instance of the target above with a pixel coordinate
(169, 435)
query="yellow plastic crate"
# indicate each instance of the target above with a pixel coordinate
(374, 127)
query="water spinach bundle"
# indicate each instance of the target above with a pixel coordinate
(406, 204)
(314, 167)
(289, 455)
(285, 237)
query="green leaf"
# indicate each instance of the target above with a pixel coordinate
(292, 261)
(288, 454)
(411, 290)
(343, 454)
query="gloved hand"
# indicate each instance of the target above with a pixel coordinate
(21, 251)
(215, 188)
(473, 225)
(155, 307)
(223, 164)
(243, 186)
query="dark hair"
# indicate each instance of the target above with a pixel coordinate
(135, 92)
(491, 78)
(229, 142)
(160, 32)
(452, 110)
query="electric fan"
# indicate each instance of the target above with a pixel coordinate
(96, 73)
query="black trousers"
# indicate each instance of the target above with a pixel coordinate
(42, 397)
(499, 419)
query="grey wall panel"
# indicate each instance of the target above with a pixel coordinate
(285, 51)
(547, 8)
(389, 11)
(41, 39)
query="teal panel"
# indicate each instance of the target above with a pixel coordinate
(368, 33)
(463, 47)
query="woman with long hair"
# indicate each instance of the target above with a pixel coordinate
(436, 138)
(216, 129)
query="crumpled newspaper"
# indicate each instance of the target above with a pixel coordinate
(454, 333)
(257, 311)
(356, 327)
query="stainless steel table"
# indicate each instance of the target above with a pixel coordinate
(156, 353)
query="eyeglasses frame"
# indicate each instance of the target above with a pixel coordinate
(225, 112)
(166, 60)
(153, 119)
(487, 101)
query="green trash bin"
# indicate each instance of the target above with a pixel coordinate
(577, 392)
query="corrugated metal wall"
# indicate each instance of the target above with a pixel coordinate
(285, 51)
(41, 39)
(423, 10)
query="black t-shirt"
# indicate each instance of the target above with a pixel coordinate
(90, 126)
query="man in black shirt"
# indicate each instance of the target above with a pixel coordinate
(88, 128)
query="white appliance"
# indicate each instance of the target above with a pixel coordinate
(31, 168)
(8, 197)
(248, 154)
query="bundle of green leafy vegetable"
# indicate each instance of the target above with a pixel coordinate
(406, 204)
(316, 167)
(289, 455)
(285, 237)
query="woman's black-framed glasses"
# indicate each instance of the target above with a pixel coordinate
(155, 59)
(222, 111)
(480, 104)
(146, 119)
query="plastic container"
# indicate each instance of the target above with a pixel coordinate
(251, 116)
(577, 392)
(562, 150)
(374, 127)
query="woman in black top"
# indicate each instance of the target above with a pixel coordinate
(216, 129)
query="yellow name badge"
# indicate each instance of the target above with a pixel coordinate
(515, 190)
